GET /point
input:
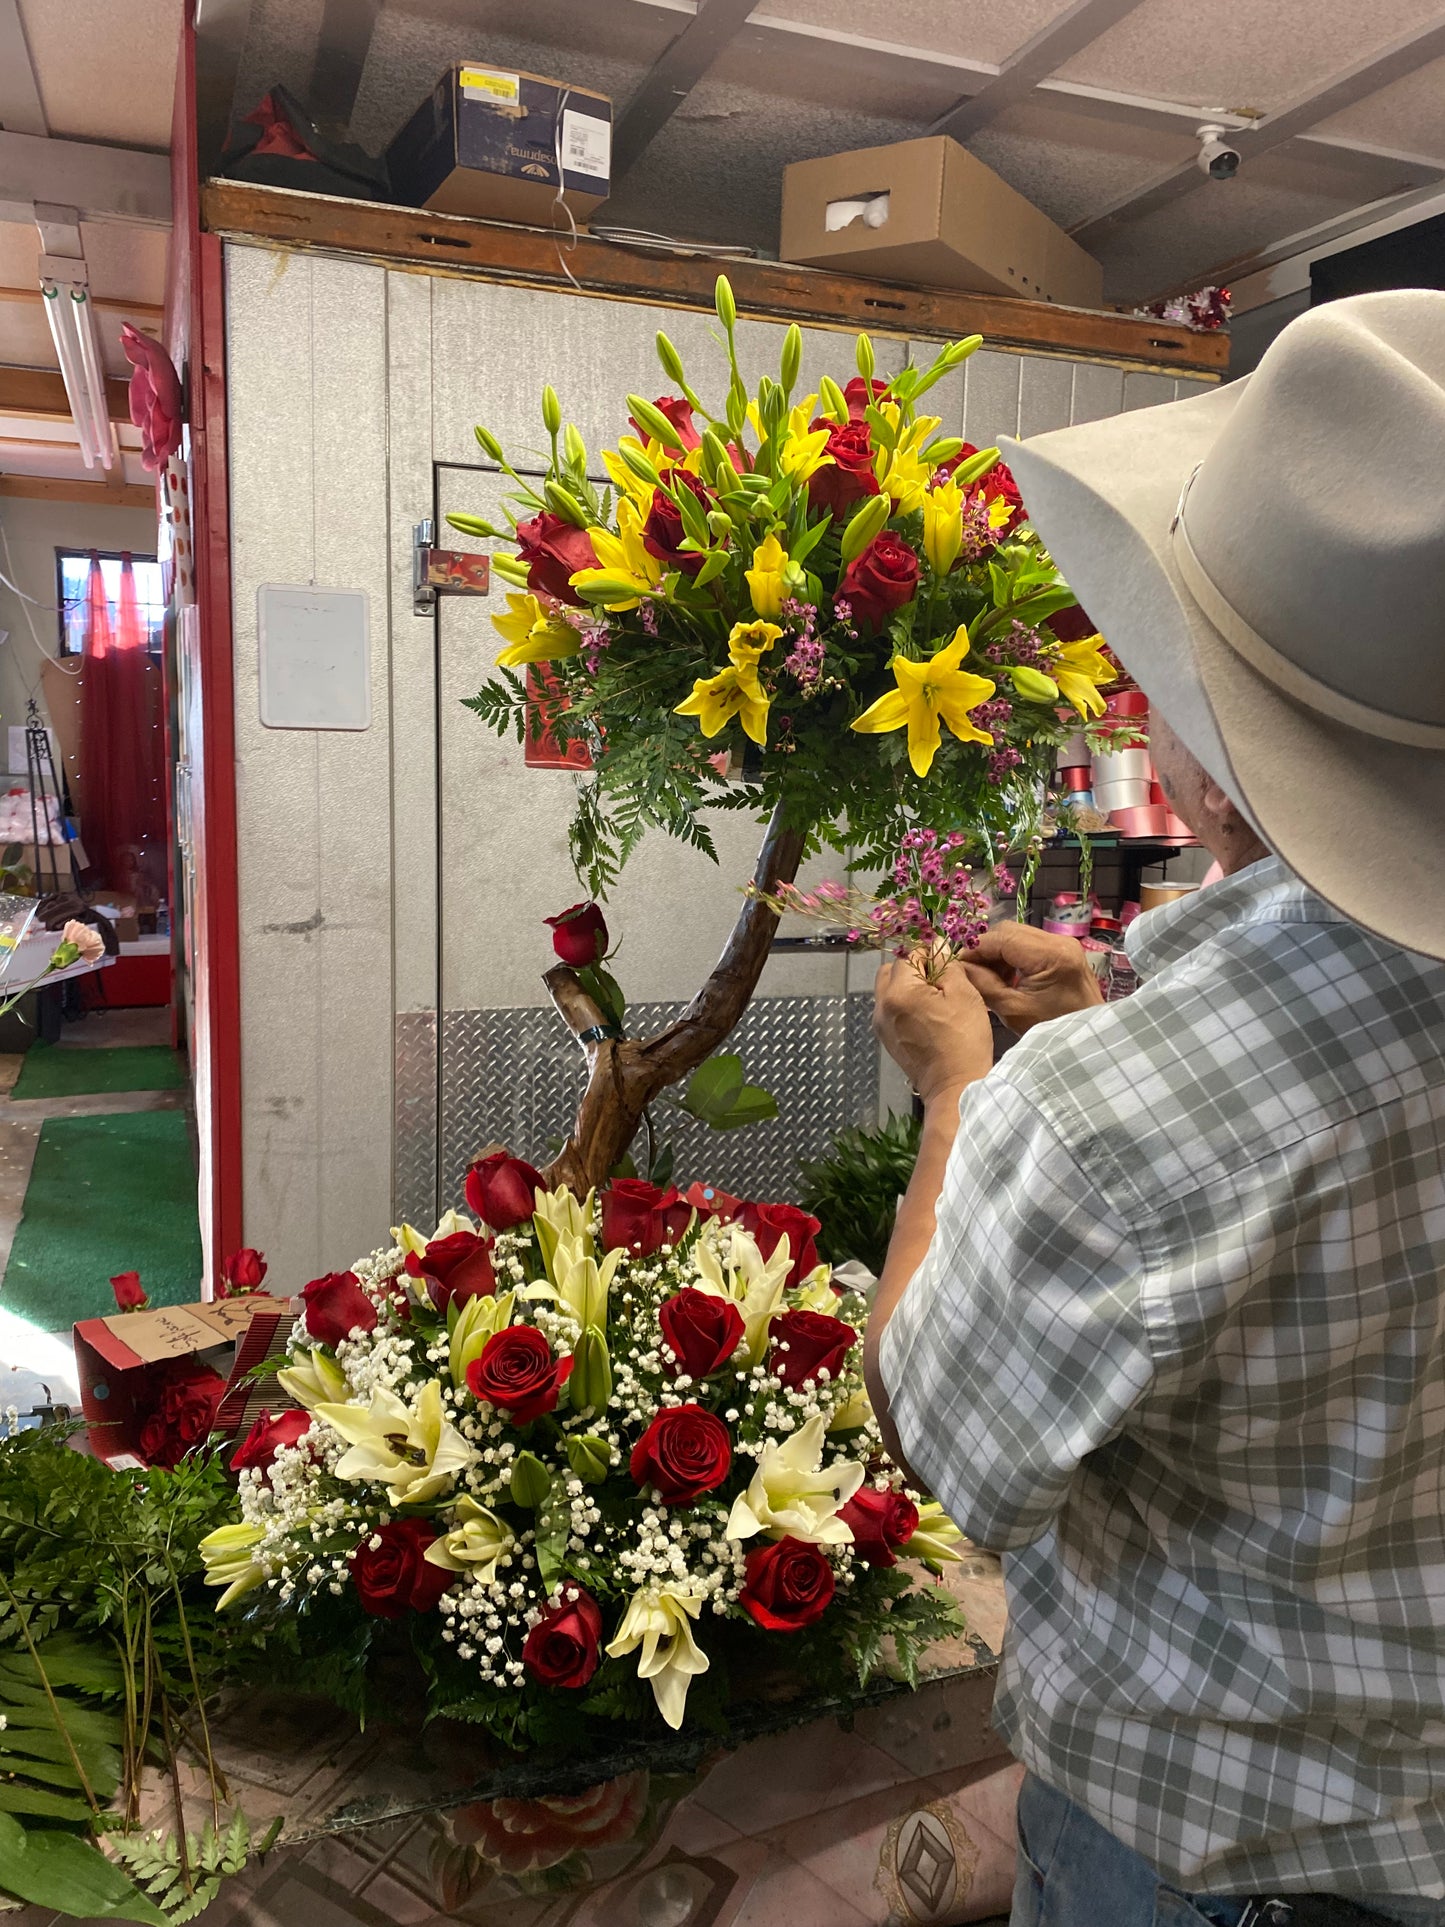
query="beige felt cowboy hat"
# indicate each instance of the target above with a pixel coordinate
(1268, 561)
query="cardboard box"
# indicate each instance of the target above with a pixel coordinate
(489, 143)
(122, 1361)
(47, 861)
(947, 222)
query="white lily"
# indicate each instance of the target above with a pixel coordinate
(659, 1621)
(415, 1454)
(816, 1292)
(855, 1410)
(315, 1381)
(793, 1495)
(935, 1536)
(415, 1242)
(562, 1221)
(735, 1269)
(477, 1541)
(582, 1284)
(227, 1555)
(478, 1320)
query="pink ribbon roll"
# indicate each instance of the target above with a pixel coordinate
(1146, 821)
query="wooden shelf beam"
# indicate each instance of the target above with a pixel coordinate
(38, 394)
(61, 488)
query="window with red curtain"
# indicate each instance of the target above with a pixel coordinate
(122, 759)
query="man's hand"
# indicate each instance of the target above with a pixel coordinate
(1025, 976)
(937, 1034)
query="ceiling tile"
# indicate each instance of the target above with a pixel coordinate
(106, 72)
(1408, 115)
(987, 34)
(1071, 163)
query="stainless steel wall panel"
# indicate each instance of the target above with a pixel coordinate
(414, 1193)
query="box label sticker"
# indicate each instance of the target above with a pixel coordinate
(481, 83)
(168, 1333)
(586, 145)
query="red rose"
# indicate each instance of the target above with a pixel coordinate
(879, 1521)
(129, 1292)
(710, 1202)
(1071, 625)
(642, 1217)
(815, 1343)
(335, 1306)
(243, 1271)
(703, 1331)
(849, 476)
(454, 1269)
(182, 1416)
(789, 1585)
(503, 1190)
(579, 936)
(562, 1648)
(554, 551)
(258, 1448)
(664, 530)
(394, 1577)
(518, 1374)
(883, 578)
(684, 1453)
(679, 413)
(997, 485)
(769, 1223)
(857, 394)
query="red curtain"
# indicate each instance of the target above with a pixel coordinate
(121, 751)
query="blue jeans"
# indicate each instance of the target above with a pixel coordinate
(1072, 1873)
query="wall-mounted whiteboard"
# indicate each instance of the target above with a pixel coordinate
(315, 657)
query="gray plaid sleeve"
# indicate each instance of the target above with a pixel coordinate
(1019, 1346)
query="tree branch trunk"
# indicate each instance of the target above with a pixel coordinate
(624, 1075)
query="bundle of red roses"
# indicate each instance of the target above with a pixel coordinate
(587, 1447)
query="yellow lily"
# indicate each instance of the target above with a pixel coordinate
(794, 1496)
(928, 695)
(414, 1453)
(815, 1292)
(226, 1553)
(935, 1537)
(902, 471)
(581, 1284)
(735, 691)
(734, 1268)
(533, 633)
(1078, 669)
(476, 1543)
(478, 1320)
(314, 1382)
(663, 460)
(942, 526)
(855, 1410)
(802, 451)
(659, 1620)
(766, 583)
(622, 559)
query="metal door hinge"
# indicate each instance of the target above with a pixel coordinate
(437, 572)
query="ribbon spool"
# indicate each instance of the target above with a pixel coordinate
(1127, 702)
(1140, 821)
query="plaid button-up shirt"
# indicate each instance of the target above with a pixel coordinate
(1178, 1350)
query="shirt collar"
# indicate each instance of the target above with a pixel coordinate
(1264, 892)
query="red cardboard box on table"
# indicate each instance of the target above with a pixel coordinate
(119, 1359)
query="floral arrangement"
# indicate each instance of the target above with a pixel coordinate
(79, 943)
(600, 1455)
(817, 607)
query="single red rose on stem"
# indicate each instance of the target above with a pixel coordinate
(684, 1453)
(664, 531)
(579, 935)
(518, 1374)
(858, 393)
(392, 1574)
(879, 581)
(554, 551)
(454, 1269)
(502, 1190)
(243, 1271)
(879, 1522)
(679, 413)
(182, 1415)
(642, 1217)
(814, 1343)
(710, 1202)
(849, 477)
(789, 1585)
(335, 1306)
(563, 1648)
(259, 1446)
(130, 1294)
(770, 1223)
(702, 1331)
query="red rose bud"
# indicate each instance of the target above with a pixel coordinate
(554, 551)
(642, 1217)
(563, 1648)
(454, 1269)
(883, 578)
(258, 1448)
(701, 1330)
(789, 1585)
(664, 529)
(844, 481)
(503, 1190)
(683, 1453)
(815, 1343)
(679, 413)
(769, 1223)
(579, 936)
(879, 1522)
(518, 1374)
(129, 1292)
(243, 1271)
(335, 1306)
(858, 393)
(392, 1574)
(710, 1202)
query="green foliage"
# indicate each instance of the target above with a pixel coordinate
(60, 1871)
(854, 1188)
(717, 1095)
(182, 1885)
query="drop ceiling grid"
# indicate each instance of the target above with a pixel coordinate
(967, 32)
(106, 72)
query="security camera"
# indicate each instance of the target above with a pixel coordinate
(1216, 158)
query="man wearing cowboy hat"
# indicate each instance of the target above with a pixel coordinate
(1163, 1319)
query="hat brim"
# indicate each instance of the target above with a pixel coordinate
(1353, 815)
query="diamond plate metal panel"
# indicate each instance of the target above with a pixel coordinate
(515, 1076)
(414, 1168)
